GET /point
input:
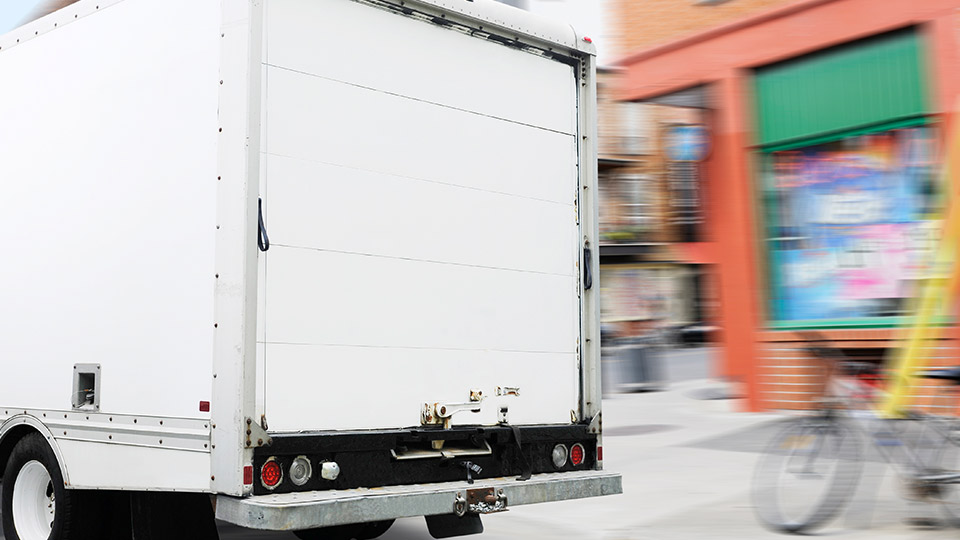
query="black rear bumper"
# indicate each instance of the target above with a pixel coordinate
(383, 458)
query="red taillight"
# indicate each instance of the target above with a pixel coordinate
(576, 455)
(599, 453)
(248, 475)
(271, 474)
(204, 406)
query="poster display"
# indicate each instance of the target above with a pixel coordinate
(637, 293)
(853, 225)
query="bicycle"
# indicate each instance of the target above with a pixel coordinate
(811, 469)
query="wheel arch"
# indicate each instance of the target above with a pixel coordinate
(19, 426)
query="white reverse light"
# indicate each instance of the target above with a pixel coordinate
(559, 456)
(301, 470)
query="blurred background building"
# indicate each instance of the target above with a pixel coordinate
(647, 290)
(811, 130)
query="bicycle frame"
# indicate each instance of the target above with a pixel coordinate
(916, 460)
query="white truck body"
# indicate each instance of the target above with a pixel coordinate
(427, 175)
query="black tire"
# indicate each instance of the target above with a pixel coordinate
(358, 531)
(75, 513)
(807, 475)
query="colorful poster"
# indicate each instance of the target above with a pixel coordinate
(637, 293)
(851, 225)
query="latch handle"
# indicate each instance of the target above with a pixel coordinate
(587, 267)
(263, 241)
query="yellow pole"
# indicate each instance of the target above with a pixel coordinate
(937, 290)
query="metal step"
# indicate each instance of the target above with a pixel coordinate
(313, 509)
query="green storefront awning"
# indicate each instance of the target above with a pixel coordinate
(873, 82)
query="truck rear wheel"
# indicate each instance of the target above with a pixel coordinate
(35, 504)
(358, 531)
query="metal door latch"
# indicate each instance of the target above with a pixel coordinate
(441, 413)
(508, 391)
(472, 468)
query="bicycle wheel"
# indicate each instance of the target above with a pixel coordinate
(806, 475)
(946, 465)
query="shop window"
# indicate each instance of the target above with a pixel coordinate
(852, 225)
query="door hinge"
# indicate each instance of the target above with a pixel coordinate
(256, 436)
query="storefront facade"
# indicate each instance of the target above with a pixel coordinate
(822, 194)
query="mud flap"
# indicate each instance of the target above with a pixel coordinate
(450, 525)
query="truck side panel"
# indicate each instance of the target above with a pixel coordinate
(108, 172)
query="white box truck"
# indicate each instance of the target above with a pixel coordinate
(306, 265)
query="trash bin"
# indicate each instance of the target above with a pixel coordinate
(640, 365)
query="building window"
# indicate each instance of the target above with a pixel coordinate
(626, 208)
(636, 200)
(852, 225)
(637, 128)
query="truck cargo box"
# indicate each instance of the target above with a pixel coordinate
(287, 251)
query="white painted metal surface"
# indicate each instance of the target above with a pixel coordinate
(237, 177)
(106, 173)
(107, 168)
(136, 468)
(423, 220)
(421, 61)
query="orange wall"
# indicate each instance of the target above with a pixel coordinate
(722, 58)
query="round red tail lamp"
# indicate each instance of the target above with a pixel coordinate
(577, 454)
(271, 474)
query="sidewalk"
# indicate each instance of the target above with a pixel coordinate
(687, 465)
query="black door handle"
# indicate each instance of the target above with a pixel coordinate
(587, 268)
(263, 241)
